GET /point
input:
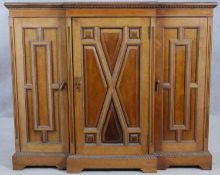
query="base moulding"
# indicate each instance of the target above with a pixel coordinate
(147, 163)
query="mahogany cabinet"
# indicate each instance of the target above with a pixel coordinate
(111, 85)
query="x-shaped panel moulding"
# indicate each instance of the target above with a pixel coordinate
(111, 66)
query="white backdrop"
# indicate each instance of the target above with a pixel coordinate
(6, 108)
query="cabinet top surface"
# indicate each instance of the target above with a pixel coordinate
(153, 4)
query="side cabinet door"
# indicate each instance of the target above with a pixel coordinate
(111, 69)
(40, 46)
(180, 83)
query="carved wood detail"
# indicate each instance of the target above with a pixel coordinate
(180, 56)
(185, 79)
(117, 68)
(87, 76)
(134, 138)
(134, 33)
(112, 131)
(182, 85)
(90, 138)
(129, 91)
(41, 68)
(111, 40)
(88, 33)
(113, 5)
(40, 80)
(93, 73)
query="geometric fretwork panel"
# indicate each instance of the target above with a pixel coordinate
(111, 40)
(93, 73)
(128, 91)
(41, 71)
(112, 131)
(112, 104)
(179, 83)
(41, 84)
(180, 56)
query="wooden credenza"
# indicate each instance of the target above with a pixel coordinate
(111, 85)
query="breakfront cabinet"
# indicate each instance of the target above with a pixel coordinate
(111, 85)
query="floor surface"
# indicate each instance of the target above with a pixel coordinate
(7, 150)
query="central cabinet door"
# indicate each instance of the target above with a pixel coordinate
(111, 85)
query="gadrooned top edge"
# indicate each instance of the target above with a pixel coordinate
(61, 5)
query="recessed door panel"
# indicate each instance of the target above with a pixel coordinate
(41, 69)
(180, 72)
(111, 85)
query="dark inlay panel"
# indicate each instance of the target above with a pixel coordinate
(129, 90)
(111, 40)
(112, 131)
(94, 84)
